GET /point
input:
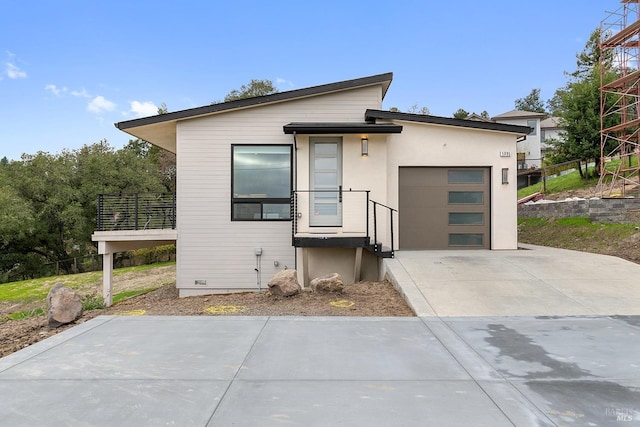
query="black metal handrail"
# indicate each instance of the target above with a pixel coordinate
(375, 223)
(136, 211)
(339, 191)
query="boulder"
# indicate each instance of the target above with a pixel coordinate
(64, 306)
(328, 283)
(284, 283)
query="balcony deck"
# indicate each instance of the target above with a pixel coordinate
(139, 211)
(132, 221)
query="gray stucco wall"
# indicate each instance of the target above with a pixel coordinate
(618, 211)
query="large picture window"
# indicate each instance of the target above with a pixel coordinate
(261, 182)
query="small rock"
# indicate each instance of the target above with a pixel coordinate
(330, 283)
(284, 283)
(64, 306)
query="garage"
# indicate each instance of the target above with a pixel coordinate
(444, 208)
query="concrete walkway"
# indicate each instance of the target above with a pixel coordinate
(518, 363)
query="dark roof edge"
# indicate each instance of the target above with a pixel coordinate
(447, 121)
(314, 128)
(248, 102)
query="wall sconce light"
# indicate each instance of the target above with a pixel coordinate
(505, 175)
(364, 145)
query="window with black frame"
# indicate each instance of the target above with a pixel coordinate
(261, 182)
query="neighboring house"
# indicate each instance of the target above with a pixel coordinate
(530, 148)
(321, 180)
(550, 129)
(477, 117)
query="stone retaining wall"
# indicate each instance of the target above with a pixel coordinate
(612, 211)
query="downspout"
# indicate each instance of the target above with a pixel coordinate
(295, 187)
(295, 161)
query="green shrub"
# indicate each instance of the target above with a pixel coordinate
(158, 254)
(92, 302)
(574, 222)
(26, 314)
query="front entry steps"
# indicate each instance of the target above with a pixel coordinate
(343, 242)
(358, 243)
(380, 251)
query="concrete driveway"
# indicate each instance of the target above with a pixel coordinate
(532, 281)
(460, 364)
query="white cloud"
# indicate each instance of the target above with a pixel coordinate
(14, 72)
(57, 91)
(280, 81)
(144, 109)
(100, 104)
(80, 93)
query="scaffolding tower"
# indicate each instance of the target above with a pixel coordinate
(620, 101)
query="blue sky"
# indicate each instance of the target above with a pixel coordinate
(70, 69)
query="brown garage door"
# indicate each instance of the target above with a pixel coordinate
(444, 208)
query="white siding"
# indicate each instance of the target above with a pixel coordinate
(211, 247)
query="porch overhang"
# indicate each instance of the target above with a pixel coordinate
(330, 242)
(323, 128)
(127, 240)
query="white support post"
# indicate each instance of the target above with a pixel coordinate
(107, 278)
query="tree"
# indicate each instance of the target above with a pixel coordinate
(252, 89)
(579, 113)
(414, 109)
(554, 105)
(461, 114)
(163, 159)
(531, 102)
(16, 216)
(49, 204)
(484, 114)
(4, 161)
(592, 56)
(577, 105)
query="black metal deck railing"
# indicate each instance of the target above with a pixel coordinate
(140, 211)
(356, 204)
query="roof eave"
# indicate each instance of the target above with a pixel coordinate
(384, 79)
(447, 121)
(340, 128)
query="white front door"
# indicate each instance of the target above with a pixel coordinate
(326, 182)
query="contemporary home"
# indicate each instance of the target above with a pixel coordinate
(477, 117)
(530, 150)
(550, 130)
(320, 180)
